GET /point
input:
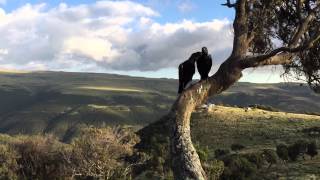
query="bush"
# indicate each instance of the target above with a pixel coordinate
(214, 169)
(237, 168)
(270, 156)
(282, 152)
(237, 147)
(8, 163)
(41, 157)
(218, 153)
(97, 153)
(312, 132)
(312, 149)
(299, 148)
(255, 158)
(203, 153)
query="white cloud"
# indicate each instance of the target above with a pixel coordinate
(3, 2)
(4, 52)
(113, 35)
(186, 6)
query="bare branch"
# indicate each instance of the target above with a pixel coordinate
(229, 4)
(301, 30)
(282, 58)
(299, 9)
(274, 58)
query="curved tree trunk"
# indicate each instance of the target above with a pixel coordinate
(185, 160)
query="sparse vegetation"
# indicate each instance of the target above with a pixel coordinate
(68, 112)
(96, 153)
(237, 147)
(312, 149)
(282, 152)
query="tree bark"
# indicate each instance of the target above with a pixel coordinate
(185, 160)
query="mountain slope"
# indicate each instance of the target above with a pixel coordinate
(61, 102)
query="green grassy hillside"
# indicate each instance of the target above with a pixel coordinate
(61, 102)
(215, 131)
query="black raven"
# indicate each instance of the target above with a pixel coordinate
(187, 70)
(204, 64)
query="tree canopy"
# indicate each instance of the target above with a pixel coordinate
(275, 27)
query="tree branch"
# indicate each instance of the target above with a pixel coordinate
(301, 30)
(274, 58)
(229, 4)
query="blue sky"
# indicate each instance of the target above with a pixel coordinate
(201, 10)
(139, 38)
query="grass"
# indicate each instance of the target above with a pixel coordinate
(106, 88)
(57, 102)
(256, 129)
(11, 71)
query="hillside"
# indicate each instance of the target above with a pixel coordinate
(216, 130)
(61, 102)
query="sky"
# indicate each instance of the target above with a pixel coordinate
(147, 38)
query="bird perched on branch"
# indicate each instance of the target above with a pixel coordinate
(204, 64)
(187, 70)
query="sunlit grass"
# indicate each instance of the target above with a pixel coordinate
(12, 71)
(107, 88)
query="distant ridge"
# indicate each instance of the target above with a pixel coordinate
(58, 103)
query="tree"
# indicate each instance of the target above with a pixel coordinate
(266, 32)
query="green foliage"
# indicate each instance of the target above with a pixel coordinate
(270, 156)
(213, 169)
(237, 147)
(299, 148)
(218, 153)
(202, 152)
(238, 167)
(282, 152)
(312, 149)
(312, 131)
(256, 158)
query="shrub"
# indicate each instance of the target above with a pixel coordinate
(214, 169)
(41, 157)
(312, 149)
(8, 163)
(97, 153)
(203, 153)
(312, 132)
(282, 152)
(297, 149)
(237, 168)
(218, 153)
(237, 147)
(270, 156)
(255, 158)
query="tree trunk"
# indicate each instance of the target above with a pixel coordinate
(185, 160)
